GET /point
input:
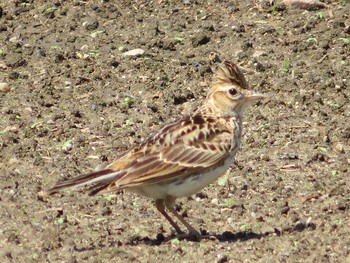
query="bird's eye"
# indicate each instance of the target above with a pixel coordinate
(232, 92)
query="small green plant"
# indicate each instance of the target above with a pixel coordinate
(121, 48)
(322, 149)
(175, 241)
(58, 48)
(222, 181)
(285, 67)
(345, 40)
(245, 228)
(108, 198)
(229, 203)
(320, 15)
(96, 33)
(334, 172)
(35, 124)
(179, 39)
(311, 40)
(34, 256)
(274, 8)
(142, 59)
(129, 122)
(24, 4)
(100, 219)
(93, 52)
(60, 220)
(264, 126)
(67, 145)
(137, 230)
(51, 9)
(129, 101)
(338, 222)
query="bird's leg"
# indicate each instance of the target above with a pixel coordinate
(161, 208)
(169, 204)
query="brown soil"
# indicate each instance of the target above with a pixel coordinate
(75, 102)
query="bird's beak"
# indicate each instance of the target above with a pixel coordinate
(252, 95)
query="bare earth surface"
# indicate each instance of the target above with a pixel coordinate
(74, 101)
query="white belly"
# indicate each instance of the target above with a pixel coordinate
(191, 185)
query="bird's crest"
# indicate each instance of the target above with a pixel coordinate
(229, 73)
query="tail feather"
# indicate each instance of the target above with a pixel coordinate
(99, 179)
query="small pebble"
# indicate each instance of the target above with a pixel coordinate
(84, 48)
(215, 201)
(259, 53)
(4, 87)
(93, 107)
(39, 53)
(339, 148)
(3, 65)
(134, 52)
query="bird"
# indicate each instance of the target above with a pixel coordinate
(182, 157)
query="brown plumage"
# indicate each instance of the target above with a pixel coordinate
(184, 156)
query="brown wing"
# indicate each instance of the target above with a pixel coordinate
(192, 144)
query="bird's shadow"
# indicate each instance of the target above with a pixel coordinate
(226, 236)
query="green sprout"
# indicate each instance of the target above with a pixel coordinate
(285, 67)
(108, 198)
(338, 222)
(93, 52)
(60, 220)
(229, 203)
(51, 9)
(345, 40)
(129, 122)
(56, 48)
(264, 126)
(320, 15)
(245, 228)
(35, 124)
(175, 241)
(142, 59)
(96, 33)
(222, 181)
(274, 7)
(322, 149)
(24, 4)
(311, 40)
(137, 230)
(129, 101)
(179, 39)
(67, 145)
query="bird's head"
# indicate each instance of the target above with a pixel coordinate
(230, 92)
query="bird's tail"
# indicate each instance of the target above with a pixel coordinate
(96, 180)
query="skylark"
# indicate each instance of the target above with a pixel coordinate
(184, 156)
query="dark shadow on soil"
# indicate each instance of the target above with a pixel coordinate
(226, 236)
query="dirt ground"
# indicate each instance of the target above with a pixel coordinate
(71, 99)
